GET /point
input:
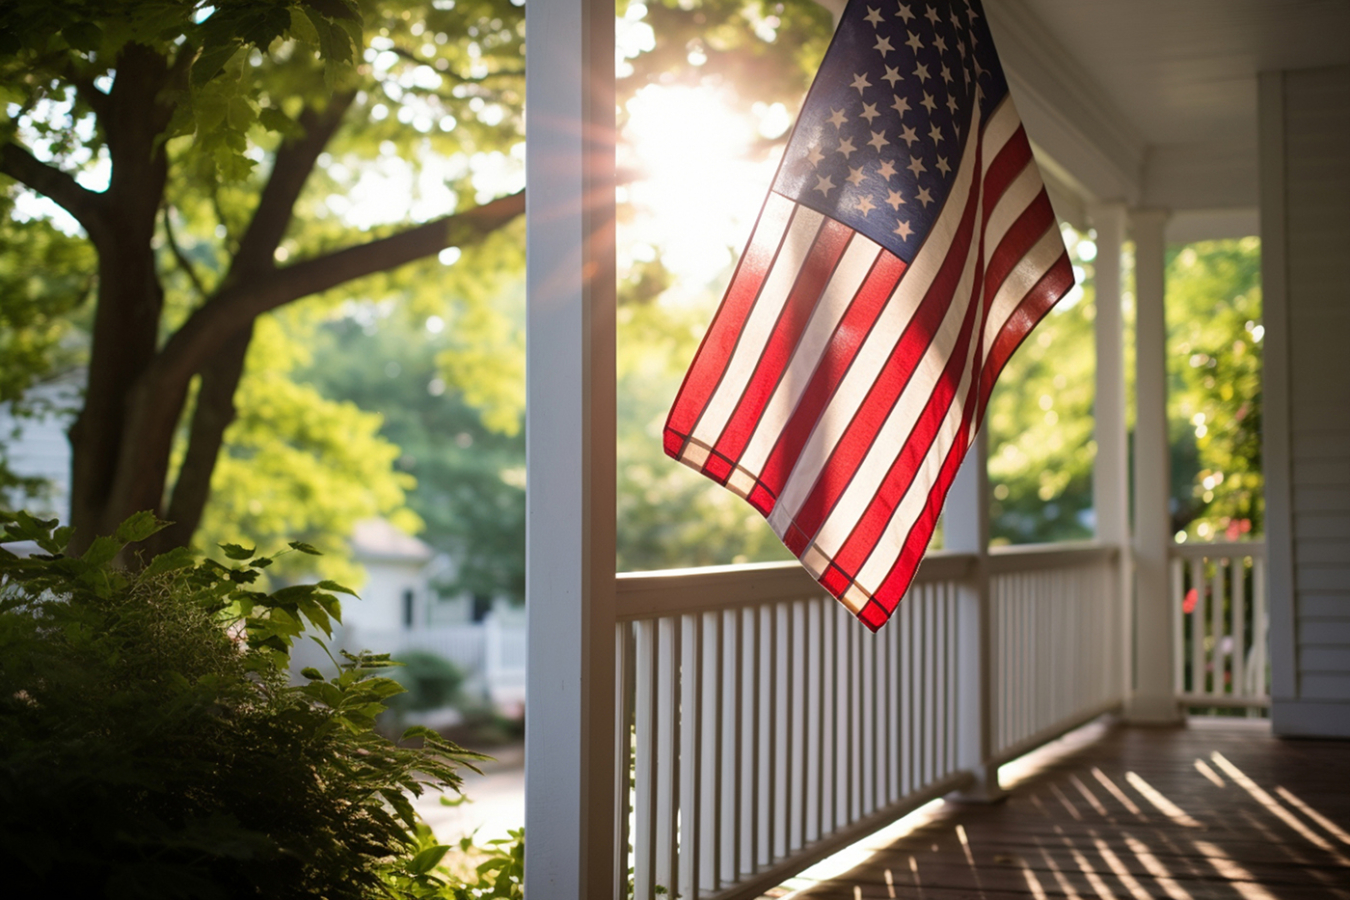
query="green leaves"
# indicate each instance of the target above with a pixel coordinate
(427, 859)
(161, 700)
(210, 64)
(84, 36)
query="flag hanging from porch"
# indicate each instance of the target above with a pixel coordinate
(905, 250)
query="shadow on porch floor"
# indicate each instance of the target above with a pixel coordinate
(1217, 809)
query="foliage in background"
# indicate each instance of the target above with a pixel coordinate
(470, 491)
(1214, 336)
(44, 280)
(1041, 425)
(752, 55)
(767, 50)
(1040, 422)
(669, 515)
(428, 682)
(299, 463)
(151, 745)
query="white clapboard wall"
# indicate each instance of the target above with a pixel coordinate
(1305, 184)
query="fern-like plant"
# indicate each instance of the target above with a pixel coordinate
(152, 746)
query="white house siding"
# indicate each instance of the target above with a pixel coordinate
(42, 449)
(1306, 177)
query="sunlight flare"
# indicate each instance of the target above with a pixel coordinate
(698, 180)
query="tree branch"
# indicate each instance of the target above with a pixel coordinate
(179, 257)
(97, 100)
(291, 166)
(213, 413)
(237, 305)
(85, 205)
(412, 57)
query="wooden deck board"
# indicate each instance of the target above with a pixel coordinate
(1131, 815)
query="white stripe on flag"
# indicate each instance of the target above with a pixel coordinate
(1025, 188)
(1002, 125)
(759, 326)
(844, 284)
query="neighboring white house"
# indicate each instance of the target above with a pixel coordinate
(38, 447)
(396, 595)
(402, 610)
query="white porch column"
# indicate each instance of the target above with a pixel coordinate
(569, 735)
(1152, 699)
(965, 528)
(1111, 468)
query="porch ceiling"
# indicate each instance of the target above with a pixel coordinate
(1153, 102)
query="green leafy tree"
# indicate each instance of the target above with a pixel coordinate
(44, 281)
(298, 462)
(470, 493)
(1041, 448)
(1214, 388)
(206, 151)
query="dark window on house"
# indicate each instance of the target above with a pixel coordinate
(407, 609)
(482, 605)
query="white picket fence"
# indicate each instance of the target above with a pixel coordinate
(1220, 621)
(492, 652)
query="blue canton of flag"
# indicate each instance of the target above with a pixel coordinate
(876, 144)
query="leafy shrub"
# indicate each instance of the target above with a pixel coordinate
(429, 682)
(487, 871)
(151, 747)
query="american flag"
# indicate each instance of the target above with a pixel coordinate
(906, 249)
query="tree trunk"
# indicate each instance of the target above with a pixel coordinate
(212, 414)
(130, 297)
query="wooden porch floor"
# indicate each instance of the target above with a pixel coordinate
(1218, 809)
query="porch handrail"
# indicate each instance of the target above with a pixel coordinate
(668, 592)
(1026, 557)
(1217, 549)
(664, 592)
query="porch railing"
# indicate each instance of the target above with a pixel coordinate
(1057, 648)
(1219, 624)
(761, 727)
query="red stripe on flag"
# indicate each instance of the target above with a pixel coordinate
(816, 270)
(1011, 160)
(835, 361)
(710, 362)
(1057, 281)
(890, 383)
